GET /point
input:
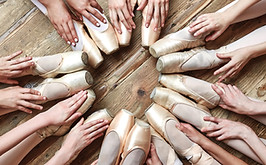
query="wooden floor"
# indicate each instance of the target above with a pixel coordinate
(127, 77)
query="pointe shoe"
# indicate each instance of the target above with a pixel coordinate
(148, 35)
(124, 38)
(174, 42)
(139, 138)
(121, 125)
(68, 62)
(67, 85)
(157, 117)
(85, 43)
(61, 130)
(180, 106)
(104, 35)
(100, 114)
(195, 59)
(199, 90)
(164, 151)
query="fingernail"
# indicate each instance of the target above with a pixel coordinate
(73, 44)
(97, 24)
(155, 29)
(133, 27)
(147, 25)
(162, 25)
(44, 98)
(130, 31)
(119, 32)
(32, 63)
(68, 42)
(104, 21)
(76, 40)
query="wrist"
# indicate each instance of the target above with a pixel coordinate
(246, 132)
(48, 3)
(45, 118)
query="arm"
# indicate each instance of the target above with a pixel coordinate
(154, 158)
(157, 9)
(10, 67)
(213, 149)
(216, 23)
(226, 129)
(64, 110)
(234, 100)
(238, 59)
(79, 137)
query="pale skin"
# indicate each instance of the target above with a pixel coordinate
(61, 17)
(238, 59)
(213, 149)
(226, 129)
(66, 111)
(121, 10)
(214, 24)
(157, 9)
(10, 67)
(153, 158)
(18, 98)
(79, 137)
(234, 100)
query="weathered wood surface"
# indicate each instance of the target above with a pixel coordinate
(126, 78)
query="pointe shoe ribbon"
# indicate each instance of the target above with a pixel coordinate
(174, 42)
(139, 137)
(67, 85)
(148, 35)
(180, 106)
(196, 155)
(61, 130)
(85, 43)
(70, 62)
(199, 90)
(195, 59)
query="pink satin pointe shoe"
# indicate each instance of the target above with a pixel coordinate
(137, 145)
(158, 117)
(125, 37)
(61, 130)
(195, 59)
(100, 114)
(180, 106)
(148, 35)
(164, 151)
(174, 42)
(67, 85)
(199, 90)
(104, 35)
(61, 63)
(115, 138)
(85, 43)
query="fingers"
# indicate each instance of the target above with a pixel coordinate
(213, 36)
(97, 128)
(128, 18)
(149, 15)
(73, 117)
(212, 119)
(123, 20)
(73, 32)
(10, 57)
(97, 6)
(90, 18)
(114, 20)
(33, 97)
(129, 7)
(156, 17)
(95, 162)
(142, 5)
(30, 105)
(68, 34)
(81, 121)
(223, 69)
(21, 108)
(96, 14)
(163, 14)
(9, 81)
(217, 90)
(72, 100)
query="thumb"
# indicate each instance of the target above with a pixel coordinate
(79, 123)
(142, 5)
(223, 55)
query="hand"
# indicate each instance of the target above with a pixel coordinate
(191, 133)
(213, 24)
(84, 134)
(237, 60)
(65, 111)
(226, 129)
(121, 10)
(153, 159)
(94, 162)
(18, 98)
(233, 99)
(158, 9)
(13, 68)
(61, 18)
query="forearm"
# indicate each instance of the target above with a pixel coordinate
(19, 133)
(4, 111)
(257, 50)
(61, 157)
(256, 145)
(233, 12)
(219, 153)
